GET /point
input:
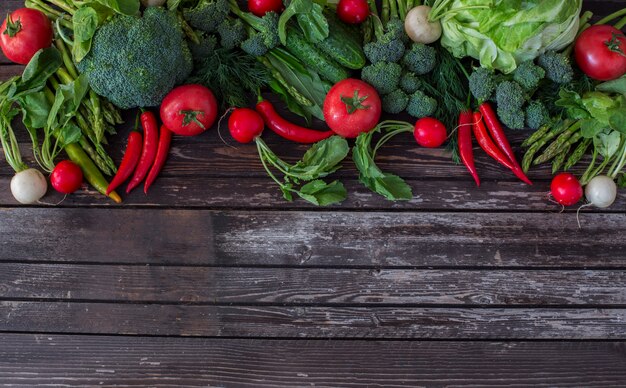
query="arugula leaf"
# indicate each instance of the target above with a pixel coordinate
(321, 193)
(310, 18)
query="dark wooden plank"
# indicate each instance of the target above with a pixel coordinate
(311, 285)
(313, 322)
(312, 238)
(263, 193)
(39, 360)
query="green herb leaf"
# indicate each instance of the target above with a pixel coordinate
(614, 86)
(320, 193)
(321, 159)
(85, 22)
(43, 64)
(124, 7)
(69, 134)
(35, 110)
(617, 119)
(598, 104)
(590, 128)
(66, 102)
(607, 144)
(310, 18)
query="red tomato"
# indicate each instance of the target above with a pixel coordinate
(66, 177)
(245, 125)
(429, 132)
(566, 189)
(261, 7)
(23, 33)
(352, 107)
(600, 52)
(189, 110)
(353, 11)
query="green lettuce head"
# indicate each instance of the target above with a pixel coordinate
(503, 33)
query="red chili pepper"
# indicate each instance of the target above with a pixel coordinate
(289, 130)
(163, 149)
(493, 124)
(129, 161)
(465, 143)
(150, 140)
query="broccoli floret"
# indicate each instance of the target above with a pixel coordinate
(420, 105)
(207, 44)
(510, 96)
(266, 26)
(254, 45)
(383, 76)
(528, 75)
(232, 33)
(135, 62)
(395, 102)
(557, 67)
(482, 84)
(388, 46)
(536, 115)
(410, 83)
(207, 15)
(395, 28)
(420, 59)
(514, 119)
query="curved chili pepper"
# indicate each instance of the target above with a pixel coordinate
(150, 140)
(464, 136)
(289, 130)
(129, 161)
(500, 139)
(165, 138)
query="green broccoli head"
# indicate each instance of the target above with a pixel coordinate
(482, 84)
(510, 96)
(410, 83)
(395, 29)
(395, 102)
(388, 49)
(207, 44)
(135, 62)
(383, 76)
(420, 59)
(254, 45)
(528, 75)
(514, 119)
(232, 33)
(536, 115)
(557, 67)
(268, 27)
(420, 105)
(207, 15)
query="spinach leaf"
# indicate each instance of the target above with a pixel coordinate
(35, 110)
(124, 7)
(321, 193)
(43, 64)
(85, 22)
(321, 159)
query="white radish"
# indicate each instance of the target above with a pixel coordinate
(418, 26)
(601, 191)
(152, 3)
(28, 186)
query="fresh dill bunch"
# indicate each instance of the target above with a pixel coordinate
(232, 75)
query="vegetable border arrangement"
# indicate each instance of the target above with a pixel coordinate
(453, 65)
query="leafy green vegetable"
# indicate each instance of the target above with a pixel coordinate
(503, 33)
(310, 18)
(615, 86)
(123, 7)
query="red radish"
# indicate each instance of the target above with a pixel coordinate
(245, 125)
(566, 189)
(430, 132)
(353, 11)
(261, 7)
(66, 177)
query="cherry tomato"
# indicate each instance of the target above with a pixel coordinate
(600, 52)
(261, 7)
(566, 189)
(23, 33)
(430, 132)
(245, 125)
(66, 177)
(353, 11)
(352, 107)
(189, 110)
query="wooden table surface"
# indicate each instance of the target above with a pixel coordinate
(214, 280)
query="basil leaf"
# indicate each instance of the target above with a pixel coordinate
(321, 193)
(310, 18)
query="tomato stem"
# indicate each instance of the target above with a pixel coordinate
(614, 44)
(12, 27)
(192, 116)
(355, 102)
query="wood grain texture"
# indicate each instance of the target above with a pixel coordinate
(43, 360)
(374, 239)
(314, 322)
(329, 287)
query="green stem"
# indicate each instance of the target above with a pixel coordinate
(620, 164)
(67, 59)
(389, 135)
(619, 25)
(262, 149)
(612, 16)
